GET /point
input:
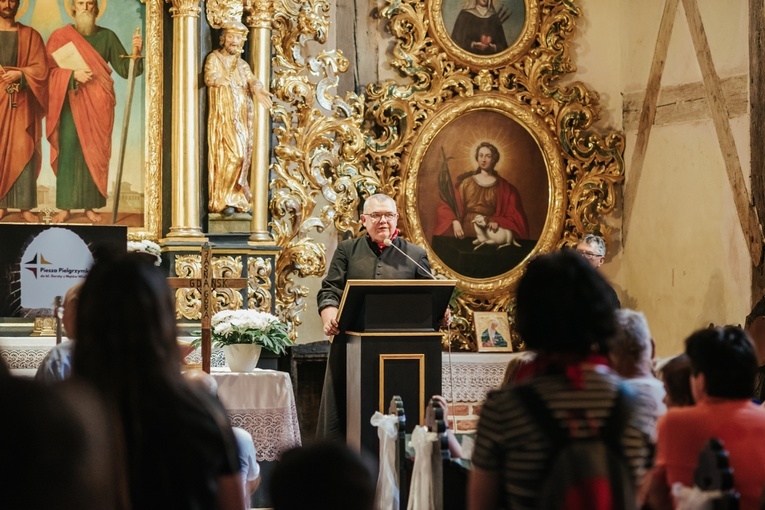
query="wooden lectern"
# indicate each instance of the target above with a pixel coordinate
(393, 348)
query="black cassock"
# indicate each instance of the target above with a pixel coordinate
(357, 259)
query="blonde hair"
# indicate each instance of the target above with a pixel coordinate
(514, 365)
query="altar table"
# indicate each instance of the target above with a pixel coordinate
(262, 403)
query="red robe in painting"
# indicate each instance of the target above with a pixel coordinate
(506, 210)
(21, 127)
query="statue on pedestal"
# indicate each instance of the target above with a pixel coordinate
(231, 88)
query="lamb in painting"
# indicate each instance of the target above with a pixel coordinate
(484, 235)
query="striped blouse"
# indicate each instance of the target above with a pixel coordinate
(509, 440)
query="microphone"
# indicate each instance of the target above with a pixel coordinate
(388, 242)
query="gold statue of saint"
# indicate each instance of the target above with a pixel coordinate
(231, 86)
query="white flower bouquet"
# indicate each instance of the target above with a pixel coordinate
(249, 327)
(146, 246)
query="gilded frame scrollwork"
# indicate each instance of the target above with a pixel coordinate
(444, 82)
(502, 284)
(331, 151)
(514, 51)
(154, 66)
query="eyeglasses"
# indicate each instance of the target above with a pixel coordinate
(588, 254)
(377, 216)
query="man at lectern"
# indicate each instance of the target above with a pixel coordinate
(371, 256)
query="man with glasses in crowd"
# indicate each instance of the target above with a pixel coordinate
(593, 249)
(363, 258)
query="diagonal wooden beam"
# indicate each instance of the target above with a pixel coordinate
(648, 113)
(756, 89)
(747, 215)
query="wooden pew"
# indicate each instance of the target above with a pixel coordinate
(397, 408)
(713, 473)
(449, 478)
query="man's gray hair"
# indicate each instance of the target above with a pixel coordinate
(379, 198)
(633, 338)
(597, 241)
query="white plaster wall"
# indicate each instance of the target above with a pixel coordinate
(596, 52)
(684, 261)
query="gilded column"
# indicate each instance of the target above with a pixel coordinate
(185, 221)
(259, 14)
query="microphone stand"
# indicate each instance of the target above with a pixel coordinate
(388, 242)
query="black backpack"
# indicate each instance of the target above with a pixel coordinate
(588, 473)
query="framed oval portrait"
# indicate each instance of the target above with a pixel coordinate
(485, 191)
(484, 34)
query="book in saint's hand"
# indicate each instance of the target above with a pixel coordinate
(67, 57)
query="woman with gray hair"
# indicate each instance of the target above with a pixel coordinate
(631, 353)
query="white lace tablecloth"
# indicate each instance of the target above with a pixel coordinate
(262, 403)
(473, 374)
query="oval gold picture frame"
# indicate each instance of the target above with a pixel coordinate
(530, 159)
(443, 35)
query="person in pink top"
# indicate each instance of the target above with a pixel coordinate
(723, 367)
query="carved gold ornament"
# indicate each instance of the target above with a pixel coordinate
(445, 82)
(319, 150)
(189, 301)
(260, 271)
(322, 151)
(220, 11)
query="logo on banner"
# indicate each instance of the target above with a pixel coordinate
(56, 259)
(36, 264)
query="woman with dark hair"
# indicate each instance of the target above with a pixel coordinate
(723, 367)
(173, 441)
(676, 374)
(564, 314)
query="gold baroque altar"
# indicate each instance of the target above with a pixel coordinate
(335, 150)
(345, 149)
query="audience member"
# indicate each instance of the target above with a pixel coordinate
(330, 477)
(55, 451)
(563, 312)
(248, 462)
(755, 327)
(723, 367)
(455, 449)
(593, 249)
(630, 352)
(174, 440)
(676, 374)
(57, 364)
(513, 371)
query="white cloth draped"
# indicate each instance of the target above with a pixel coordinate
(262, 403)
(421, 489)
(387, 479)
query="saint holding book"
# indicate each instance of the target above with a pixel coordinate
(81, 108)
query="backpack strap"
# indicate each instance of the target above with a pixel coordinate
(610, 433)
(541, 415)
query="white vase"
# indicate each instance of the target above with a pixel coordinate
(241, 357)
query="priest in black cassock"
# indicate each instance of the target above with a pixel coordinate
(363, 258)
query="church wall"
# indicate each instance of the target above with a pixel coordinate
(683, 261)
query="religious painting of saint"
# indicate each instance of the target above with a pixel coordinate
(492, 331)
(483, 194)
(86, 43)
(484, 27)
